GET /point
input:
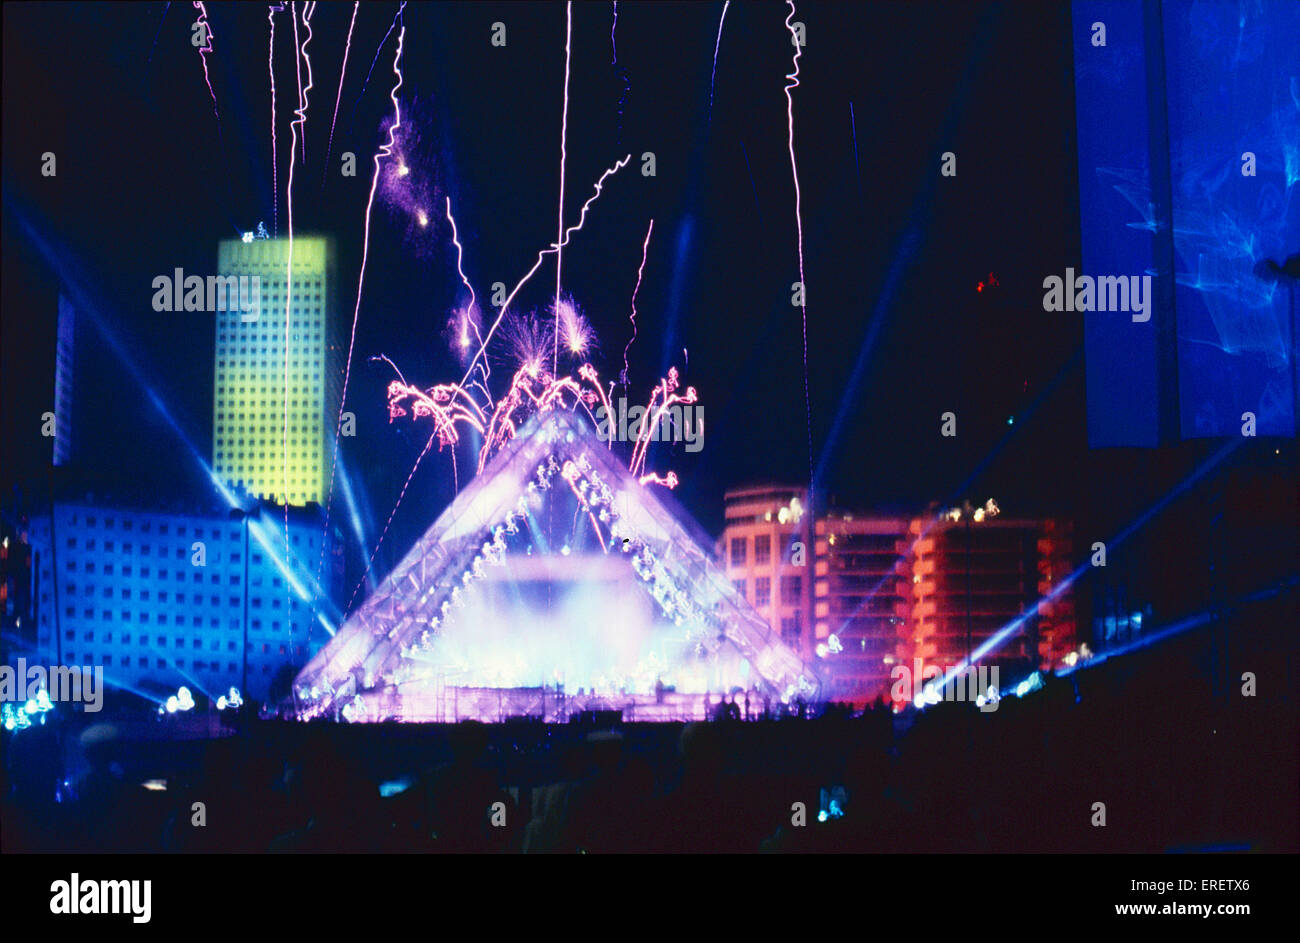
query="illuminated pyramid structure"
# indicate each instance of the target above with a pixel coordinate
(554, 582)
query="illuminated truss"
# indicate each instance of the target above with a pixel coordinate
(558, 500)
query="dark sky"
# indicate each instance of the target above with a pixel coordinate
(893, 251)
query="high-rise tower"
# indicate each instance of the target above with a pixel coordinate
(273, 422)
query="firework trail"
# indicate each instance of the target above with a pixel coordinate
(388, 360)
(450, 403)
(793, 82)
(370, 71)
(470, 317)
(297, 62)
(571, 473)
(853, 123)
(622, 72)
(669, 481)
(668, 389)
(533, 390)
(339, 97)
(271, 11)
(588, 373)
(645, 248)
(460, 256)
(204, 52)
(385, 150)
(445, 404)
(716, 46)
(388, 523)
(582, 217)
(299, 123)
(564, 132)
(158, 32)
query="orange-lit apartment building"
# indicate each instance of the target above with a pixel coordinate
(974, 572)
(861, 599)
(767, 551)
(879, 591)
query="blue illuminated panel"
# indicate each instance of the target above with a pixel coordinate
(1233, 80)
(1116, 218)
(1165, 111)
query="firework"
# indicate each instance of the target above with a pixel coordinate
(347, 48)
(384, 151)
(404, 188)
(204, 51)
(525, 341)
(564, 134)
(574, 329)
(533, 390)
(298, 124)
(271, 11)
(793, 83)
(645, 248)
(713, 75)
(622, 72)
(568, 234)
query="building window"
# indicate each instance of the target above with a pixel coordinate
(740, 587)
(738, 545)
(791, 590)
(763, 548)
(763, 591)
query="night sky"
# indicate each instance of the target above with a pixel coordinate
(893, 251)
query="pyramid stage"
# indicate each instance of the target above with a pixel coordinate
(554, 584)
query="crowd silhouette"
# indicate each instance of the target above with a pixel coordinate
(1174, 763)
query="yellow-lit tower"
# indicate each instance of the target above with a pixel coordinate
(249, 423)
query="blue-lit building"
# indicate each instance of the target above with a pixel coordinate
(162, 597)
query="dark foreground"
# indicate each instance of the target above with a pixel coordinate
(1179, 763)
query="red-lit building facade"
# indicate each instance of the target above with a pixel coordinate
(878, 591)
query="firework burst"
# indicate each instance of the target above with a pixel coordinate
(406, 186)
(525, 341)
(576, 334)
